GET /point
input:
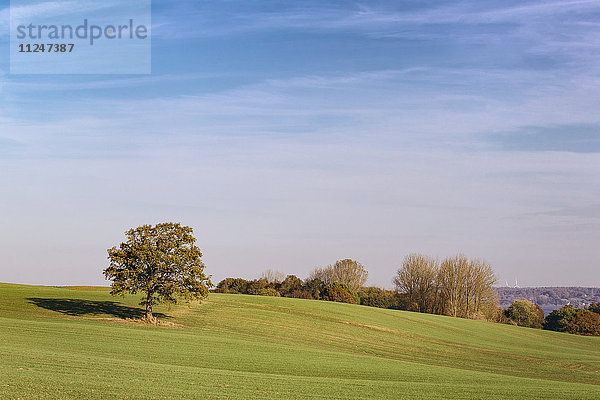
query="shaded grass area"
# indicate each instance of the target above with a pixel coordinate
(55, 345)
(82, 307)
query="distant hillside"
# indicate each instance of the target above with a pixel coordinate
(550, 296)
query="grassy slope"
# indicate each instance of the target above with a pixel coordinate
(235, 346)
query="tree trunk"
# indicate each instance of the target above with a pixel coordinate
(149, 307)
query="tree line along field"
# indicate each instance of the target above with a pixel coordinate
(67, 343)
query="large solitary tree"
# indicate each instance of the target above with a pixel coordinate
(161, 261)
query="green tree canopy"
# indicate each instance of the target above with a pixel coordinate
(376, 297)
(290, 284)
(558, 319)
(162, 261)
(585, 322)
(525, 313)
(339, 292)
(594, 307)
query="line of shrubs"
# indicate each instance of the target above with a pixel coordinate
(417, 285)
(316, 289)
(580, 321)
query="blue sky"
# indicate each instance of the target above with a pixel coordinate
(293, 134)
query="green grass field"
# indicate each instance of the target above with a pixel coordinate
(73, 343)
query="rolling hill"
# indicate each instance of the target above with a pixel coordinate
(70, 343)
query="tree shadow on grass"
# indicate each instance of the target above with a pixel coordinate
(80, 307)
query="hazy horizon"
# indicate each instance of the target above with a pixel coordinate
(107, 285)
(289, 136)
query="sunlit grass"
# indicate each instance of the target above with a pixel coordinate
(68, 343)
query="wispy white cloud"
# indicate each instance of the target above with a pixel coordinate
(50, 9)
(4, 22)
(34, 84)
(56, 11)
(46, 9)
(578, 138)
(373, 20)
(405, 105)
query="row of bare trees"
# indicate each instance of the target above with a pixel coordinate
(456, 286)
